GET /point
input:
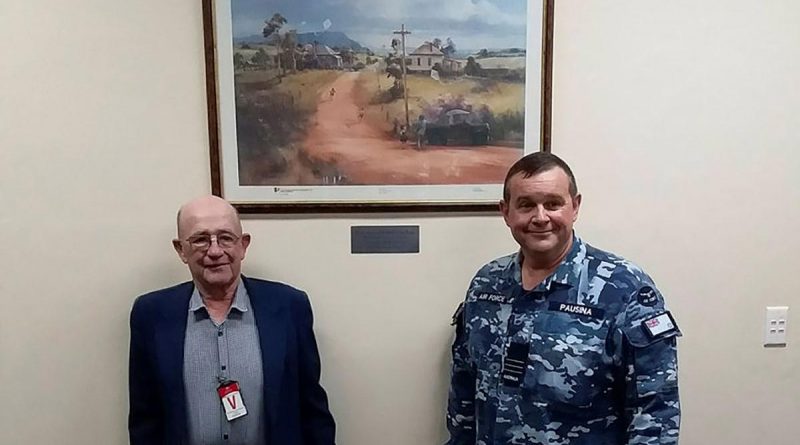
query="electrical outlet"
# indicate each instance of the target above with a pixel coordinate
(775, 325)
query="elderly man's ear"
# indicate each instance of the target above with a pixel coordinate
(178, 246)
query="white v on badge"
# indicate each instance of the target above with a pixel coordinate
(231, 399)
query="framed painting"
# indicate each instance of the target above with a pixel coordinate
(374, 105)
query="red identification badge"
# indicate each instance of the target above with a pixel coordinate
(231, 399)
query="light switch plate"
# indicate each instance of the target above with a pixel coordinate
(775, 324)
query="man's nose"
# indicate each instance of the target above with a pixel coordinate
(213, 248)
(539, 214)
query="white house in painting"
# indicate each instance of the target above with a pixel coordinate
(424, 58)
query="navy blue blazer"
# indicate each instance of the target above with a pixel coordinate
(296, 406)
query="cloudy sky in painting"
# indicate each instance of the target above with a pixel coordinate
(472, 24)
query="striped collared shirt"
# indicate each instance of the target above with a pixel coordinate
(216, 352)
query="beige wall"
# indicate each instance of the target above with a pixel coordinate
(680, 119)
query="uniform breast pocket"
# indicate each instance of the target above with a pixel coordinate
(568, 366)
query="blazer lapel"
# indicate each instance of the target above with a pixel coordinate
(170, 337)
(271, 321)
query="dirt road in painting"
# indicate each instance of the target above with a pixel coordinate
(365, 155)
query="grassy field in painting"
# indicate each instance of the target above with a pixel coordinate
(272, 116)
(505, 100)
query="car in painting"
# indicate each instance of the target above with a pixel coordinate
(457, 127)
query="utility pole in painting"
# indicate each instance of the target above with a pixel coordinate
(403, 33)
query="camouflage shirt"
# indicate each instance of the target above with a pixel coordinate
(588, 357)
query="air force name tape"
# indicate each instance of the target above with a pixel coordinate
(577, 309)
(494, 298)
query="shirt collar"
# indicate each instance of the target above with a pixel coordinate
(567, 273)
(241, 301)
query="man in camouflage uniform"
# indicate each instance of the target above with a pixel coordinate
(560, 343)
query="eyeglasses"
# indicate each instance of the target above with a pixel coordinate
(225, 240)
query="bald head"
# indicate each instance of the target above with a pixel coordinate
(206, 207)
(210, 241)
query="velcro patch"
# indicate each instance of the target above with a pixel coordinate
(660, 325)
(647, 296)
(457, 314)
(515, 364)
(577, 309)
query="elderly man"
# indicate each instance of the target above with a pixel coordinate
(560, 343)
(224, 359)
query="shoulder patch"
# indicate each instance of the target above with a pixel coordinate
(660, 326)
(647, 296)
(457, 315)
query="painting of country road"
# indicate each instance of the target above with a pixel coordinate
(375, 100)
